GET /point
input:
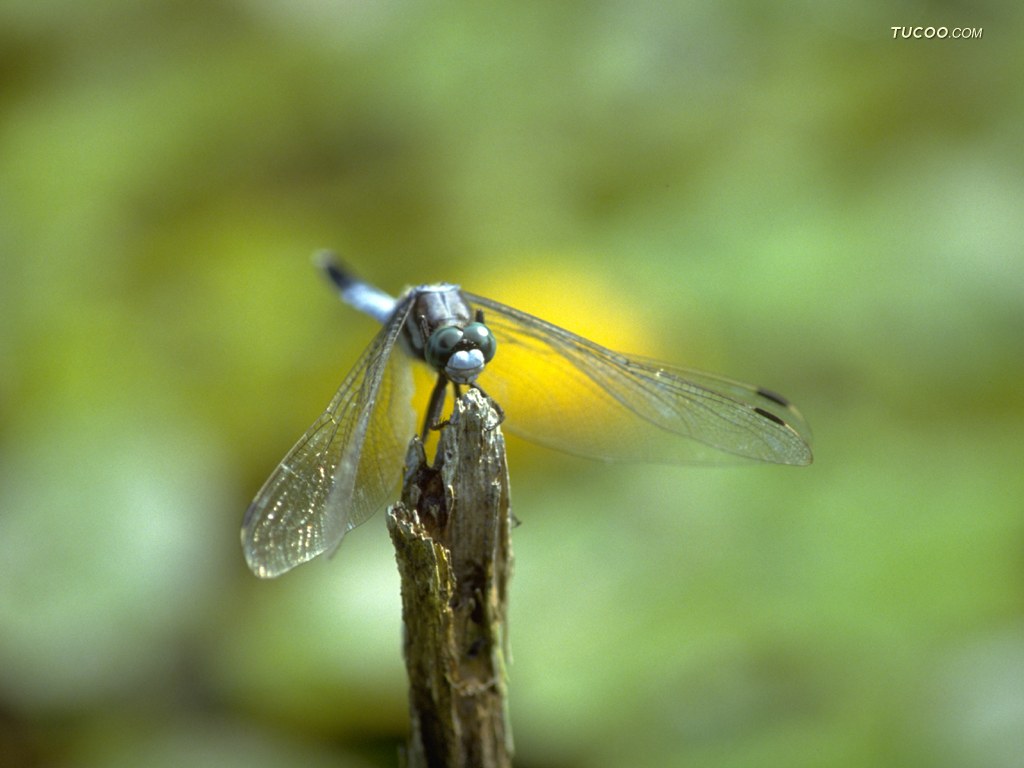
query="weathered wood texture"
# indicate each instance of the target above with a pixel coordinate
(451, 538)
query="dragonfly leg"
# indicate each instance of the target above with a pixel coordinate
(432, 420)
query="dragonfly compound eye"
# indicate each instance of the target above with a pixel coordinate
(479, 336)
(441, 344)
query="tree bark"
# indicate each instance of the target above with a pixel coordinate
(451, 538)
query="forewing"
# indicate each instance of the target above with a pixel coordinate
(343, 468)
(568, 393)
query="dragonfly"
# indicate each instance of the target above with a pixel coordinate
(557, 389)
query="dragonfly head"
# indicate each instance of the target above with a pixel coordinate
(461, 353)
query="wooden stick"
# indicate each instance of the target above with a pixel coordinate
(451, 537)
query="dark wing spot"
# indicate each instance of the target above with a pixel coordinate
(775, 397)
(770, 416)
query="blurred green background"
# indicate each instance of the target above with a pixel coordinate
(783, 194)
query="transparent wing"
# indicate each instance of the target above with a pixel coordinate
(345, 466)
(568, 393)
